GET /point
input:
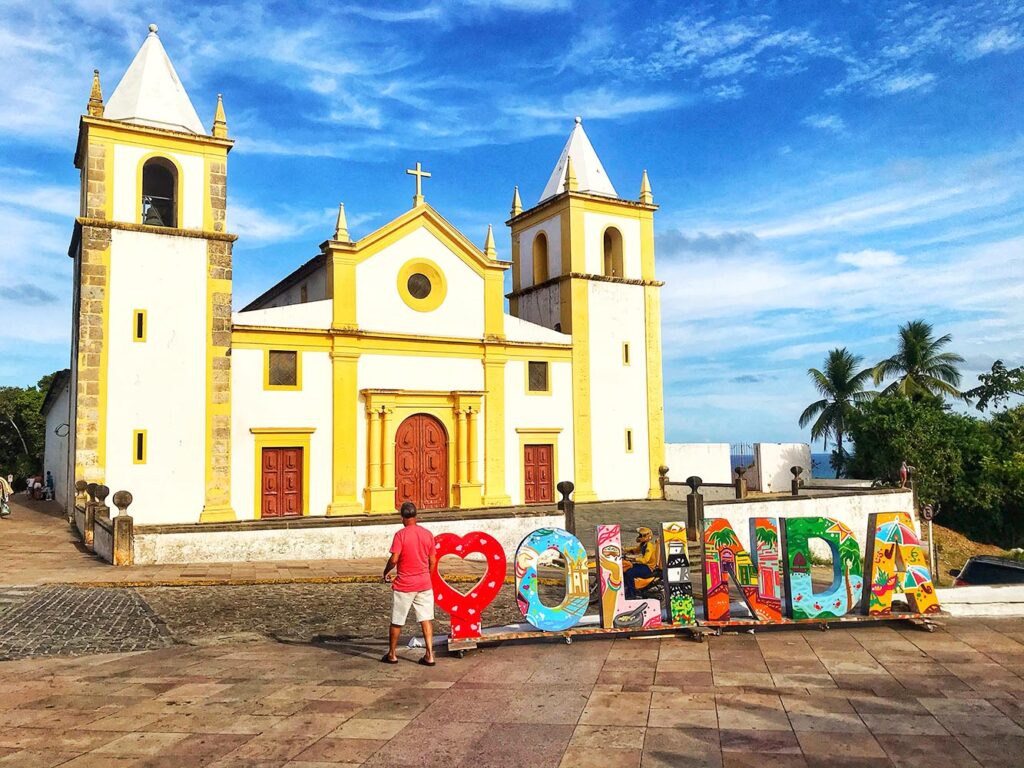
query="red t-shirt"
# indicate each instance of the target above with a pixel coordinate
(414, 546)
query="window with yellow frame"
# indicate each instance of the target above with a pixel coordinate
(282, 369)
(538, 377)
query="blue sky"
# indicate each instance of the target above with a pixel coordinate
(825, 171)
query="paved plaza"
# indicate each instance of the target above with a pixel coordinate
(166, 669)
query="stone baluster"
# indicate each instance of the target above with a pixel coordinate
(124, 530)
(567, 505)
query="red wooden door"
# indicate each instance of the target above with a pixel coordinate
(282, 482)
(537, 472)
(421, 463)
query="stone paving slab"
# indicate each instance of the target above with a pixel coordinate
(302, 705)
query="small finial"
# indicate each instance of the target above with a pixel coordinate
(153, 29)
(646, 196)
(220, 122)
(517, 204)
(489, 250)
(341, 228)
(571, 185)
(579, 120)
(95, 107)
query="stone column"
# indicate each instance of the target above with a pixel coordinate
(388, 449)
(474, 472)
(460, 429)
(374, 453)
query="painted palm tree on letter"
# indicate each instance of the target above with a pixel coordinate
(841, 386)
(919, 367)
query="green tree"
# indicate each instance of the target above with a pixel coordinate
(966, 464)
(849, 556)
(767, 537)
(22, 429)
(997, 386)
(920, 367)
(841, 386)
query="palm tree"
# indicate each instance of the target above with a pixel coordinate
(919, 366)
(841, 386)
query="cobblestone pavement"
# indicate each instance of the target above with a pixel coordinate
(880, 695)
(297, 611)
(71, 621)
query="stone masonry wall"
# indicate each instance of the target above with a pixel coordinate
(94, 283)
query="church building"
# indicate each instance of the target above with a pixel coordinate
(384, 369)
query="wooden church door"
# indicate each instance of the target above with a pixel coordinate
(421, 463)
(282, 482)
(537, 474)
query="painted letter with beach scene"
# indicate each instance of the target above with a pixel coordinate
(898, 564)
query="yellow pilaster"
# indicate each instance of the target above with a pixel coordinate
(341, 283)
(655, 395)
(460, 427)
(471, 427)
(374, 452)
(582, 443)
(494, 305)
(344, 483)
(388, 451)
(495, 494)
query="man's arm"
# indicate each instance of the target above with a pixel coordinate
(390, 566)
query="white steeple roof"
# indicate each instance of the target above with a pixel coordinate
(590, 174)
(150, 92)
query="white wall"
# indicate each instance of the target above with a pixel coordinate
(618, 392)
(552, 228)
(55, 454)
(158, 385)
(314, 314)
(773, 463)
(379, 306)
(594, 226)
(126, 193)
(524, 410)
(252, 406)
(709, 461)
(328, 542)
(543, 306)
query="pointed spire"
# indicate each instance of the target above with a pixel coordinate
(489, 250)
(95, 108)
(150, 92)
(341, 228)
(571, 185)
(517, 204)
(220, 121)
(646, 196)
(586, 165)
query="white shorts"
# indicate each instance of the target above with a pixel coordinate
(423, 602)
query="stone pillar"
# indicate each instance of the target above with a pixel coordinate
(567, 505)
(90, 515)
(695, 510)
(740, 483)
(794, 486)
(124, 533)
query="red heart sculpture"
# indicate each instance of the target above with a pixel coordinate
(466, 609)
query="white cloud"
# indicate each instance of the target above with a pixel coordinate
(998, 40)
(832, 123)
(907, 81)
(870, 259)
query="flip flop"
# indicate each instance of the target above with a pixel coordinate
(426, 663)
(387, 660)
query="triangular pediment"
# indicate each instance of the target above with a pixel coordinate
(424, 216)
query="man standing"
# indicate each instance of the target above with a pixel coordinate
(413, 557)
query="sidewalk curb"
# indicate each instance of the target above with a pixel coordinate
(241, 582)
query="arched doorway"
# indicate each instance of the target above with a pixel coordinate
(421, 463)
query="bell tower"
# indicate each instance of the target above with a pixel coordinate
(583, 264)
(151, 318)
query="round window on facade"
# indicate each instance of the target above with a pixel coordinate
(422, 285)
(419, 285)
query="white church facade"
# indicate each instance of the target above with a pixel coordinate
(384, 369)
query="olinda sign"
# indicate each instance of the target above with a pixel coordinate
(774, 579)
